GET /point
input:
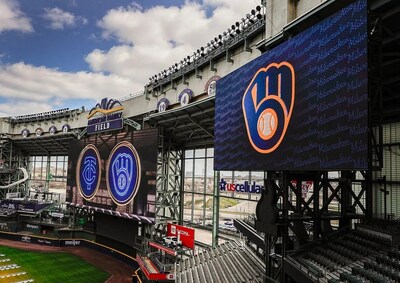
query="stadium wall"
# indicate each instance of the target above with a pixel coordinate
(109, 247)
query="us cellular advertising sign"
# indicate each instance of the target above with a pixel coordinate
(302, 105)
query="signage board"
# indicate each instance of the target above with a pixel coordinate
(185, 234)
(302, 105)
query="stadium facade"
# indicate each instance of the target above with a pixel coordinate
(330, 69)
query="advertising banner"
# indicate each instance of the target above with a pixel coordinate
(186, 234)
(302, 105)
(9, 206)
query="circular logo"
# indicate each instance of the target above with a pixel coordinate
(65, 128)
(185, 99)
(185, 96)
(123, 173)
(211, 88)
(52, 130)
(88, 172)
(39, 132)
(25, 132)
(162, 106)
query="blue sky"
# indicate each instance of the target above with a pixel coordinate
(71, 53)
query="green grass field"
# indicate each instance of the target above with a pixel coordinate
(57, 267)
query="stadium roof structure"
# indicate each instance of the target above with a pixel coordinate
(57, 144)
(188, 126)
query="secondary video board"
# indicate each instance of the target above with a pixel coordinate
(115, 172)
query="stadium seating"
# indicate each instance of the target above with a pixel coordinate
(215, 265)
(357, 256)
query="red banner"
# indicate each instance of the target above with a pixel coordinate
(184, 234)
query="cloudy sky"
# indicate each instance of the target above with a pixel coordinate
(72, 53)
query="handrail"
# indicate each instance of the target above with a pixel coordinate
(26, 176)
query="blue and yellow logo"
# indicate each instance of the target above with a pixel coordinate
(106, 107)
(268, 104)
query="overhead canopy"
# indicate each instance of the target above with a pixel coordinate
(57, 144)
(188, 126)
(385, 34)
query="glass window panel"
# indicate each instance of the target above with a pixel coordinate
(200, 152)
(189, 153)
(188, 184)
(255, 196)
(210, 152)
(41, 170)
(188, 175)
(205, 238)
(235, 209)
(198, 206)
(53, 169)
(209, 167)
(61, 169)
(257, 176)
(32, 168)
(199, 185)
(65, 168)
(241, 175)
(209, 202)
(209, 176)
(188, 168)
(209, 185)
(187, 207)
(226, 175)
(199, 168)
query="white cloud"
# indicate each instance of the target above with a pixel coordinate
(60, 19)
(20, 107)
(50, 88)
(150, 40)
(12, 18)
(154, 39)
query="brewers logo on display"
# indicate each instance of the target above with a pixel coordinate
(123, 173)
(268, 104)
(88, 172)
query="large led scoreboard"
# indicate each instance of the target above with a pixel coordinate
(115, 173)
(302, 105)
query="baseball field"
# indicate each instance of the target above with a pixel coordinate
(26, 266)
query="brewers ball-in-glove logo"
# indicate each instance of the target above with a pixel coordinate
(88, 171)
(123, 173)
(267, 106)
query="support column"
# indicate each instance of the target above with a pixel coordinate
(215, 209)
